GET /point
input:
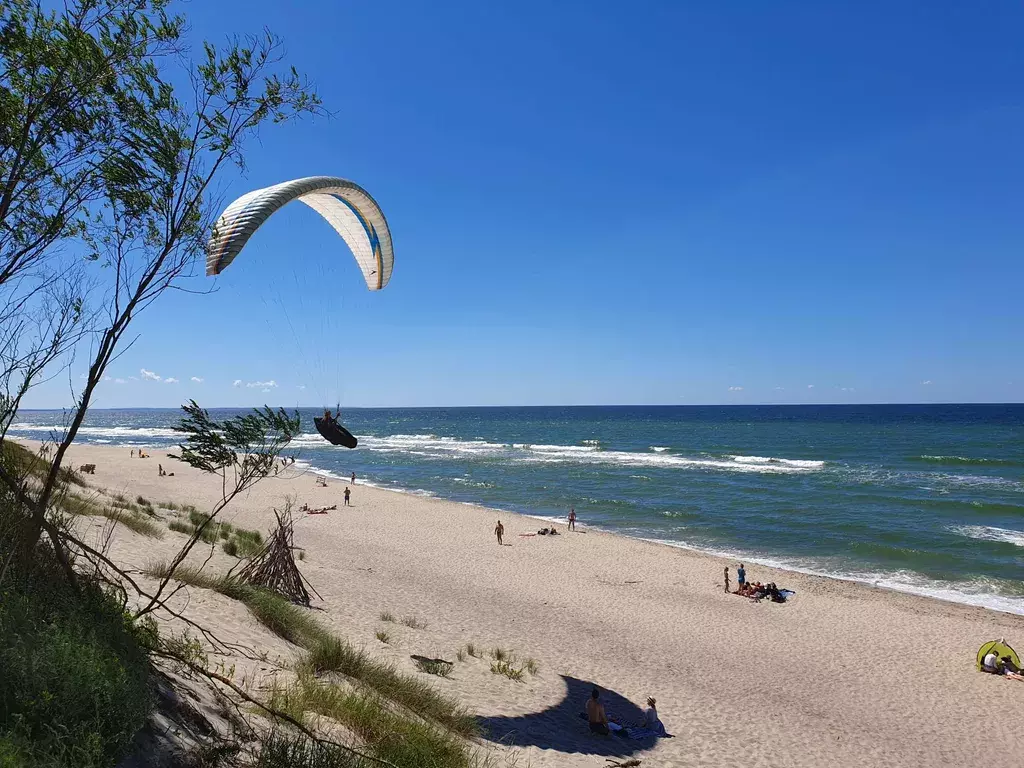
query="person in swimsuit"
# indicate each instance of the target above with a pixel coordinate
(347, 494)
(595, 713)
(499, 531)
(572, 518)
(727, 579)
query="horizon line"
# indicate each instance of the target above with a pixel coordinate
(552, 405)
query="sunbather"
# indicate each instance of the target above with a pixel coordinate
(595, 713)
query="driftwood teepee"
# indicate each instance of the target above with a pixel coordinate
(274, 567)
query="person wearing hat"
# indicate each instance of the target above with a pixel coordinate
(651, 720)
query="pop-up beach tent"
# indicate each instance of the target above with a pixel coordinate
(1001, 649)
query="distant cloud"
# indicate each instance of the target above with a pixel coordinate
(134, 378)
(265, 389)
(107, 378)
(170, 380)
(197, 379)
(779, 389)
(810, 386)
(735, 389)
(236, 383)
(120, 381)
(926, 383)
(149, 375)
(264, 385)
(847, 389)
(302, 386)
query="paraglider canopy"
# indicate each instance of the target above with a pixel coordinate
(344, 204)
(1000, 649)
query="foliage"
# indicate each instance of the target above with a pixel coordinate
(413, 623)
(437, 667)
(508, 669)
(74, 683)
(383, 635)
(281, 749)
(387, 616)
(404, 741)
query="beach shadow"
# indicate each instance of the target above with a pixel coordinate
(560, 727)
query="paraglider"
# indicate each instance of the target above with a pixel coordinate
(346, 206)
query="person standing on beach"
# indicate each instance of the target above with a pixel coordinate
(727, 579)
(499, 530)
(348, 493)
(572, 518)
(353, 478)
(741, 576)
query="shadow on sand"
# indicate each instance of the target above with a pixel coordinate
(561, 728)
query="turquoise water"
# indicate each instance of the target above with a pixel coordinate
(928, 499)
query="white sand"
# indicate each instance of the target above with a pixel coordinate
(842, 675)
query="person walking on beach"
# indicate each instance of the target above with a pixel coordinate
(727, 579)
(133, 453)
(348, 493)
(499, 530)
(741, 576)
(572, 518)
(353, 478)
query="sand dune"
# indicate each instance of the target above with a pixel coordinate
(842, 675)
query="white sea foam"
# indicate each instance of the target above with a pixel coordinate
(802, 463)
(989, 533)
(115, 433)
(660, 448)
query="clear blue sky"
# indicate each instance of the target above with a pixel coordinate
(602, 202)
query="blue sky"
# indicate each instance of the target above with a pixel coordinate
(598, 202)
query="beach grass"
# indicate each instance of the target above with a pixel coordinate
(508, 669)
(383, 635)
(329, 653)
(404, 741)
(413, 623)
(387, 616)
(74, 504)
(283, 749)
(434, 667)
(471, 649)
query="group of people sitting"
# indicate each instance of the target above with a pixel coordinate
(552, 531)
(758, 591)
(600, 724)
(996, 665)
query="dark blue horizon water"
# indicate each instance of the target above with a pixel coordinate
(922, 498)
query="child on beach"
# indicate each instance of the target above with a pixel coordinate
(499, 529)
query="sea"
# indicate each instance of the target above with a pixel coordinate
(926, 499)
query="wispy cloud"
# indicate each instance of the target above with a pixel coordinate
(779, 389)
(149, 375)
(810, 386)
(197, 379)
(170, 380)
(735, 389)
(302, 386)
(926, 383)
(264, 385)
(847, 389)
(107, 378)
(236, 383)
(120, 381)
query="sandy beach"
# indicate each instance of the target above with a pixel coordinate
(843, 674)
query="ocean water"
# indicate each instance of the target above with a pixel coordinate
(920, 498)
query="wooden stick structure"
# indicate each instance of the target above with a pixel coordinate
(273, 567)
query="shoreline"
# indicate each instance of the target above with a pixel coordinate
(840, 669)
(1012, 606)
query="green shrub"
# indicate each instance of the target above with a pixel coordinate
(437, 667)
(230, 547)
(180, 527)
(383, 635)
(74, 688)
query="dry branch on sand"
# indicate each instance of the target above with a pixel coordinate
(274, 566)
